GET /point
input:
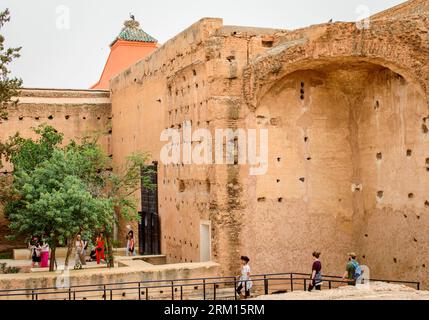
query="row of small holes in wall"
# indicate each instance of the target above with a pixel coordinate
(409, 153)
(411, 196)
(185, 109)
(181, 259)
(184, 242)
(395, 260)
(194, 73)
(67, 117)
(182, 90)
(179, 125)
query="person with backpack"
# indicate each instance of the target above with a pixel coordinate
(316, 273)
(353, 271)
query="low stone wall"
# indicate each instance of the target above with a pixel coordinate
(135, 271)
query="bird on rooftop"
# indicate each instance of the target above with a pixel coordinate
(330, 21)
(132, 17)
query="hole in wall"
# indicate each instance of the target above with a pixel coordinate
(427, 204)
(380, 194)
(411, 196)
(366, 235)
(395, 260)
(379, 156)
(37, 118)
(415, 240)
(278, 180)
(425, 128)
(51, 117)
(262, 199)
(376, 105)
(305, 139)
(194, 72)
(409, 153)
(230, 58)
(302, 179)
(280, 199)
(267, 43)
(279, 159)
(21, 117)
(302, 84)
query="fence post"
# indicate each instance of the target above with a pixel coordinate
(104, 290)
(69, 293)
(140, 293)
(181, 292)
(172, 290)
(147, 293)
(111, 294)
(204, 289)
(32, 294)
(418, 285)
(235, 290)
(214, 291)
(305, 284)
(265, 284)
(291, 282)
(330, 284)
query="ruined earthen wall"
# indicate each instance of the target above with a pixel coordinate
(374, 142)
(196, 76)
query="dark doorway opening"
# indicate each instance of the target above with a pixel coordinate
(149, 218)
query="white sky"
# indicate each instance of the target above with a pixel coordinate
(74, 58)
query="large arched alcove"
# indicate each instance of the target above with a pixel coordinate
(346, 139)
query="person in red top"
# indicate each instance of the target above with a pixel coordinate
(99, 249)
(316, 273)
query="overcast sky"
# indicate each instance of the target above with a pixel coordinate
(70, 53)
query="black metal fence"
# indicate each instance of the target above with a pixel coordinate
(214, 288)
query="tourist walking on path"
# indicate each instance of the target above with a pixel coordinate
(99, 248)
(80, 251)
(244, 281)
(353, 271)
(44, 255)
(36, 249)
(316, 273)
(131, 243)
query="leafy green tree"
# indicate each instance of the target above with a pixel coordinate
(8, 86)
(56, 204)
(60, 192)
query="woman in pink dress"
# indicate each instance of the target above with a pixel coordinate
(44, 263)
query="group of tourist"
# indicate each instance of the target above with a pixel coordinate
(40, 251)
(352, 275)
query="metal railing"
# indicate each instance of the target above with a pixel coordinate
(213, 288)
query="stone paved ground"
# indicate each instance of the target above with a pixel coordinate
(375, 291)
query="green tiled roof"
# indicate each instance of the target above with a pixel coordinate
(132, 32)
